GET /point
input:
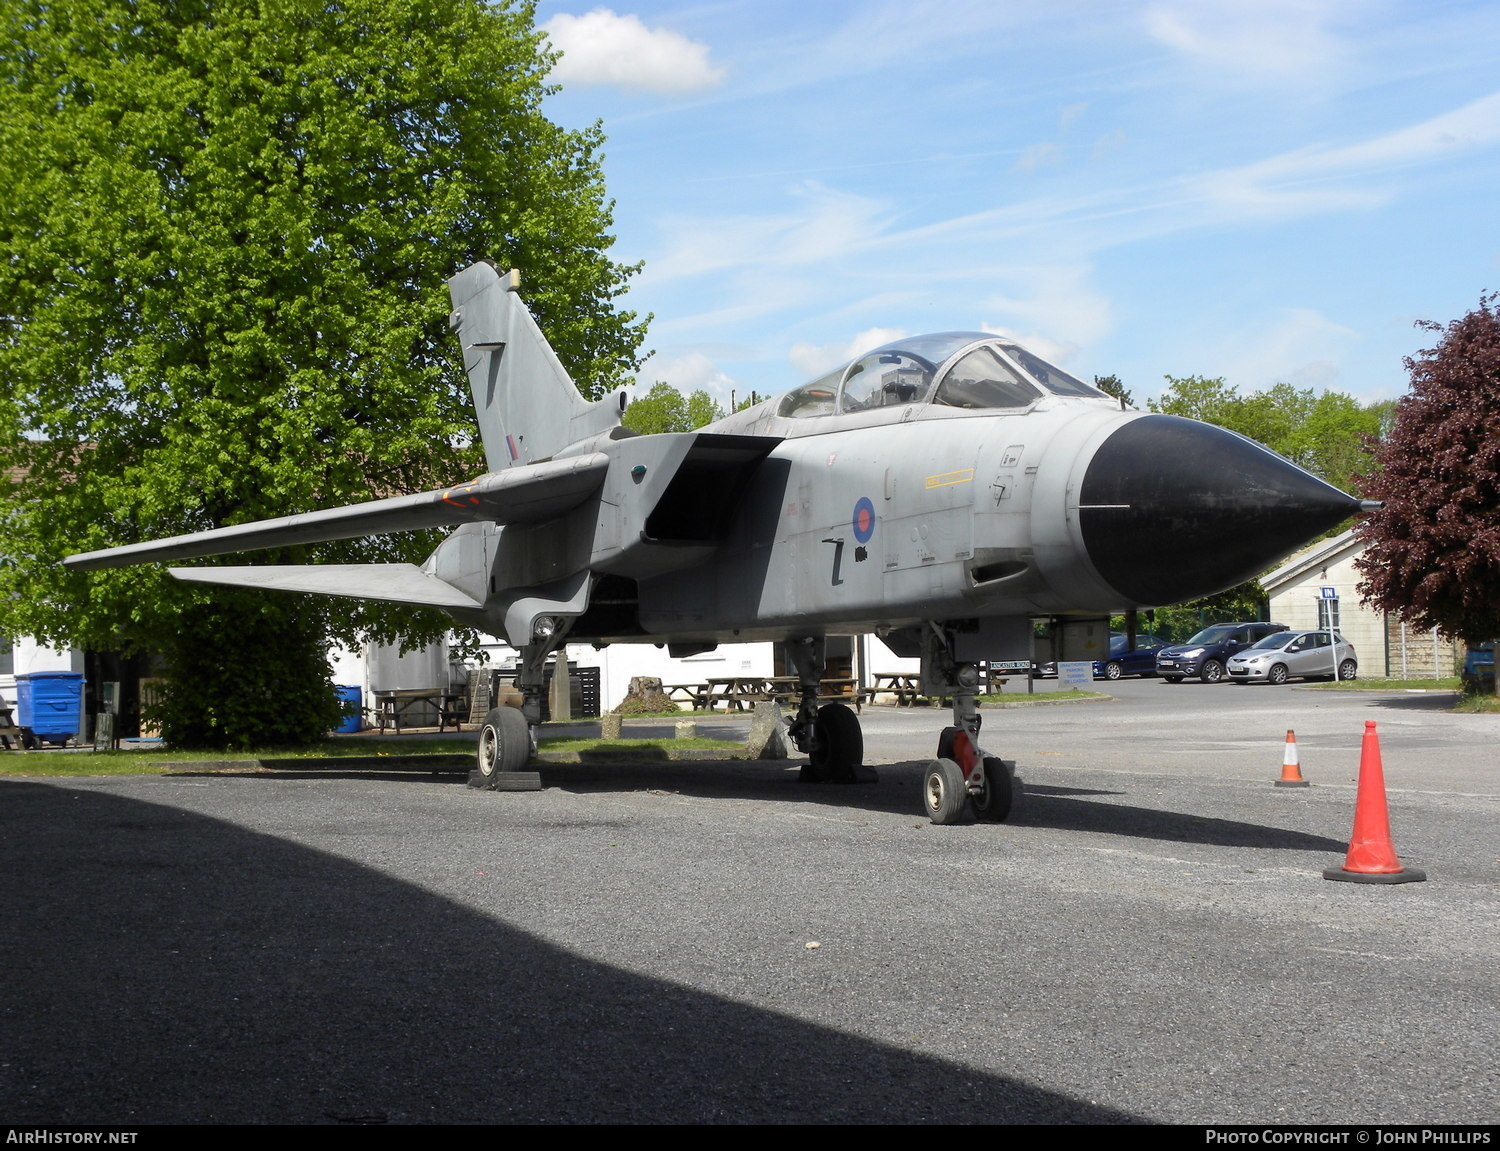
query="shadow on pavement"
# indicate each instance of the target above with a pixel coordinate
(165, 967)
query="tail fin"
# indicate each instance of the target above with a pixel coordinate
(528, 407)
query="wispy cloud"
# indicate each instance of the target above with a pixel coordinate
(689, 371)
(1052, 309)
(1276, 41)
(605, 48)
(1316, 179)
(1299, 346)
(820, 225)
(812, 360)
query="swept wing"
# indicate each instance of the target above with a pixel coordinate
(518, 495)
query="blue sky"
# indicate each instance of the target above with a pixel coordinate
(1264, 190)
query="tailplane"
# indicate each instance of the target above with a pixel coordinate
(528, 407)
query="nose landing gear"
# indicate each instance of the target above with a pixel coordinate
(961, 772)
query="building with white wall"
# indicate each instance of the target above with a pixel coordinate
(1385, 645)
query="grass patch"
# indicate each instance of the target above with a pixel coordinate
(1028, 699)
(1447, 683)
(1478, 703)
(49, 765)
(155, 760)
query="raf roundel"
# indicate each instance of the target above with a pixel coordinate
(864, 520)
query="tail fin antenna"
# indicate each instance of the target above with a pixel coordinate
(528, 407)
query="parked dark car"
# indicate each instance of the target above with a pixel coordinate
(1126, 660)
(1204, 656)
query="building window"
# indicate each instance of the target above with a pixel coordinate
(1328, 614)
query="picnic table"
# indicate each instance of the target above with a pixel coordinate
(743, 692)
(695, 695)
(736, 692)
(786, 688)
(391, 707)
(9, 731)
(905, 686)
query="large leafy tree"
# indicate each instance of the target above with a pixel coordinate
(665, 409)
(1433, 549)
(1327, 433)
(226, 228)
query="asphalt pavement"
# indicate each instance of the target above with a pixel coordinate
(1148, 939)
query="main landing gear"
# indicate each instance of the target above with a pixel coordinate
(508, 737)
(828, 735)
(961, 773)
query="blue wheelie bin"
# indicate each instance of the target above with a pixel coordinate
(352, 699)
(49, 703)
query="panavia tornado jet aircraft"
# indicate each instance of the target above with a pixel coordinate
(941, 491)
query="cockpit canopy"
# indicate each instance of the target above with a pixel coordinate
(955, 369)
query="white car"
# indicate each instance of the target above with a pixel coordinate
(1293, 655)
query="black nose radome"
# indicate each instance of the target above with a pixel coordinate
(1171, 509)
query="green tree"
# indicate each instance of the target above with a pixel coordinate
(1329, 434)
(1112, 386)
(665, 409)
(702, 409)
(1241, 603)
(1206, 398)
(227, 226)
(1433, 548)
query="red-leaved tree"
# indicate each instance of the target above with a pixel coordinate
(1433, 550)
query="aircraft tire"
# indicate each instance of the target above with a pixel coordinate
(1213, 672)
(839, 747)
(504, 749)
(944, 792)
(993, 804)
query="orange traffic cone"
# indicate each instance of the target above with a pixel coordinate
(1291, 774)
(1372, 856)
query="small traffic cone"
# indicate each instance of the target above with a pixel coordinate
(1372, 856)
(1291, 774)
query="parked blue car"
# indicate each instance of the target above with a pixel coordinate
(1126, 660)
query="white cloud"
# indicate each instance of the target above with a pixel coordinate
(1305, 179)
(1259, 40)
(1061, 312)
(824, 228)
(1069, 115)
(604, 48)
(688, 372)
(1050, 350)
(812, 360)
(1036, 156)
(1297, 346)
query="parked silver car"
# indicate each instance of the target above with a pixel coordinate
(1293, 655)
